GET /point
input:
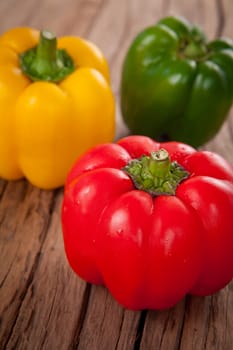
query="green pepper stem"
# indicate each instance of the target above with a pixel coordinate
(194, 50)
(156, 174)
(45, 61)
(194, 46)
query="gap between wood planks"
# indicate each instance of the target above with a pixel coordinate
(33, 270)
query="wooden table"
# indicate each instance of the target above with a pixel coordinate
(43, 305)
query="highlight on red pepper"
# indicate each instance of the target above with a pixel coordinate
(55, 93)
(150, 221)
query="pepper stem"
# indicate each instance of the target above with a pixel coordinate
(156, 174)
(45, 61)
(195, 51)
(194, 47)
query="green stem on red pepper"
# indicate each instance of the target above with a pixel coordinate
(156, 174)
(45, 61)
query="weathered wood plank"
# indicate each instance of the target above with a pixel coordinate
(163, 328)
(197, 332)
(114, 35)
(44, 305)
(223, 141)
(52, 307)
(23, 229)
(208, 322)
(25, 216)
(69, 18)
(129, 332)
(107, 325)
(103, 321)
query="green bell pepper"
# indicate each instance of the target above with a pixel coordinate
(175, 85)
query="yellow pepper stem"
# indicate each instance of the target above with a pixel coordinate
(45, 61)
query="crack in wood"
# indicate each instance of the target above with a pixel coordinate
(123, 36)
(8, 270)
(78, 7)
(186, 307)
(207, 324)
(226, 316)
(221, 18)
(22, 296)
(165, 7)
(120, 328)
(121, 40)
(81, 8)
(140, 330)
(82, 315)
(164, 329)
(29, 281)
(230, 128)
(3, 186)
(94, 17)
(49, 316)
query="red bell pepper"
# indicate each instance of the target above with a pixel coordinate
(151, 221)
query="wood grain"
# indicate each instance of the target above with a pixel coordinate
(43, 304)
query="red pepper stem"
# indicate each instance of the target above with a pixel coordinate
(159, 163)
(156, 174)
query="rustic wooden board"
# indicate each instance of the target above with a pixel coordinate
(43, 305)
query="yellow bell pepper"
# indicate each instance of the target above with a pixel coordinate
(55, 102)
